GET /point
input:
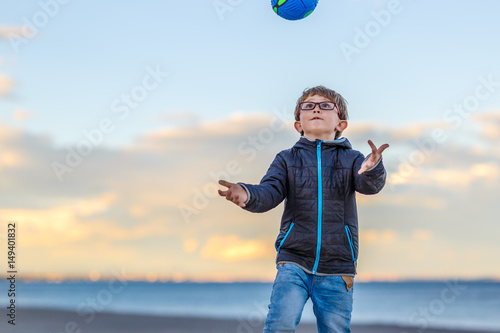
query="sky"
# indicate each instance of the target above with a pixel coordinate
(117, 118)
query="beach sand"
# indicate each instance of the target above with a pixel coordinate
(54, 321)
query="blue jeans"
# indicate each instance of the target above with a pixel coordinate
(332, 303)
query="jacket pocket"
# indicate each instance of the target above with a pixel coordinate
(351, 244)
(284, 238)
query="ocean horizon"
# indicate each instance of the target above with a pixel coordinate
(450, 304)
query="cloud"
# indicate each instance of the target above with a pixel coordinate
(489, 125)
(121, 207)
(452, 177)
(8, 31)
(10, 158)
(53, 226)
(265, 130)
(6, 85)
(23, 114)
(421, 234)
(428, 202)
(458, 156)
(190, 245)
(233, 248)
(377, 236)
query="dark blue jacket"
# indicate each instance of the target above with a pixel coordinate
(318, 179)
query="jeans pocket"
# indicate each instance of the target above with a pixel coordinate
(335, 288)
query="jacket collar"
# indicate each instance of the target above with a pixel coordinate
(307, 143)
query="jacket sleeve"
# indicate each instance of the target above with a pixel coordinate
(372, 180)
(272, 188)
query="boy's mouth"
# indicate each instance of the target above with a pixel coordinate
(316, 118)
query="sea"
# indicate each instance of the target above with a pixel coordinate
(452, 304)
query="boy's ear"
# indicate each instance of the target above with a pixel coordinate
(298, 126)
(341, 126)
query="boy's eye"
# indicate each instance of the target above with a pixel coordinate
(327, 106)
(308, 106)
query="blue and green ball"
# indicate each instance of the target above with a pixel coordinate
(293, 9)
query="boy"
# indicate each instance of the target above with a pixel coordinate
(318, 241)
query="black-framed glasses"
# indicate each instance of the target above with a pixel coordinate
(309, 106)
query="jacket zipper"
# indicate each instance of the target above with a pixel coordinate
(351, 244)
(284, 238)
(320, 207)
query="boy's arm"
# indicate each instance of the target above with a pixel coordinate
(369, 173)
(271, 191)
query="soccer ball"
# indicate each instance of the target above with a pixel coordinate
(293, 9)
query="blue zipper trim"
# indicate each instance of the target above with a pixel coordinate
(286, 235)
(349, 238)
(320, 207)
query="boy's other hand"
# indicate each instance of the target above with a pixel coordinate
(235, 193)
(374, 157)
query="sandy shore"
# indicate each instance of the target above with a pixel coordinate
(53, 321)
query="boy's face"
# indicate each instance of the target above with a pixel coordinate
(317, 123)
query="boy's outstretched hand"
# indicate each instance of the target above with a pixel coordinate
(374, 157)
(235, 193)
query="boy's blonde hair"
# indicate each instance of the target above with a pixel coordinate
(332, 95)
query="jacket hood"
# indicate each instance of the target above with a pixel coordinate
(307, 143)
